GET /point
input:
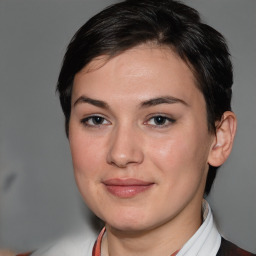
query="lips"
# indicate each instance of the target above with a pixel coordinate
(127, 188)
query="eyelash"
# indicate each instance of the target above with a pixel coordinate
(165, 119)
(85, 121)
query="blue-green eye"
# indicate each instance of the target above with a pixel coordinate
(94, 121)
(160, 121)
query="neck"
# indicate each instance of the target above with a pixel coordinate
(163, 240)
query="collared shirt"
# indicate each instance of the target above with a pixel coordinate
(206, 240)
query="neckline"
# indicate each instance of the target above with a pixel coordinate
(97, 246)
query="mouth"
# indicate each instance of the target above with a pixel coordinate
(127, 188)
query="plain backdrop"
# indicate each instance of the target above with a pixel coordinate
(39, 200)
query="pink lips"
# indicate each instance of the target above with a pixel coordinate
(126, 188)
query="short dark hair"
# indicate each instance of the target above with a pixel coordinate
(130, 23)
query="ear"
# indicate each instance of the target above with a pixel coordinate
(223, 141)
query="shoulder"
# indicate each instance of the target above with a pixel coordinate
(80, 244)
(5, 252)
(229, 249)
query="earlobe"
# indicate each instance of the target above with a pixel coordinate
(224, 137)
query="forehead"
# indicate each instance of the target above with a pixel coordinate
(143, 70)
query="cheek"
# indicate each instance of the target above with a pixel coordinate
(86, 154)
(180, 155)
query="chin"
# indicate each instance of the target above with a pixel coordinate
(128, 227)
(130, 222)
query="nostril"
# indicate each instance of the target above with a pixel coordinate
(123, 160)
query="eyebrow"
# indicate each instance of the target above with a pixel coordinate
(147, 103)
(162, 100)
(97, 103)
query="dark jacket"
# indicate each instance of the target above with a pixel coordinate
(229, 249)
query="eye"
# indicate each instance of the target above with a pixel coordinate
(160, 121)
(94, 121)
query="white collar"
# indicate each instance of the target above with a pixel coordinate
(206, 240)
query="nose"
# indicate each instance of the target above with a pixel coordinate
(125, 148)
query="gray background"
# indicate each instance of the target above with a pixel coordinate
(38, 197)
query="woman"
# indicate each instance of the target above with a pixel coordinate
(145, 88)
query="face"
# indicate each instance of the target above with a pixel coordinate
(139, 139)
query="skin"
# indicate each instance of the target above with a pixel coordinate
(126, 141)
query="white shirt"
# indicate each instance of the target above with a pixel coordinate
(206, 240)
